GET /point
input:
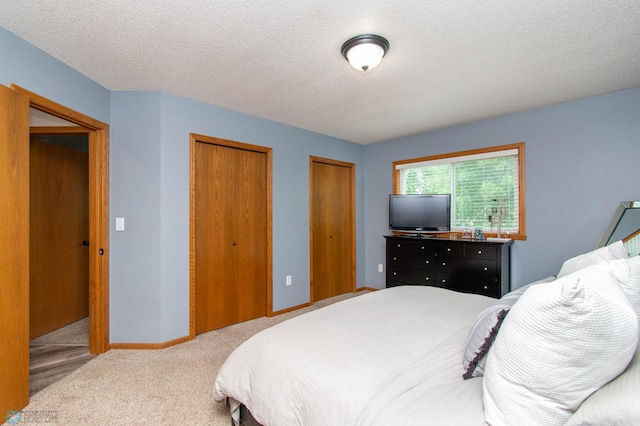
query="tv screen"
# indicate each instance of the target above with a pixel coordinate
(420, 213)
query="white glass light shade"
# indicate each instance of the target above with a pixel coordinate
(365, 56)
(365, 51)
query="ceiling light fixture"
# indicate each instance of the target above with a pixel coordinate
(364, 52)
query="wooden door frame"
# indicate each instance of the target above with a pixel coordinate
(14, 250)
(98, 213)
(196, 138)
(352, 190)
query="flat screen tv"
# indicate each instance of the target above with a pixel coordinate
(423, 213)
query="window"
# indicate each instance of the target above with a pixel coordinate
(486, 186)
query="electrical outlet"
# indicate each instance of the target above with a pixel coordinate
(380, 267)
(288, 280)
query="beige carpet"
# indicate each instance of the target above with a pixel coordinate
(172, 386)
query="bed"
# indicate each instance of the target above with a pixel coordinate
(560, 350)
(321, 368)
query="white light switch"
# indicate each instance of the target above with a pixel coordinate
(119, 223)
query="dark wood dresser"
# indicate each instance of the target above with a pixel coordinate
(470, 266)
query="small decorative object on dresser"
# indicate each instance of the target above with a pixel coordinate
(481, 267)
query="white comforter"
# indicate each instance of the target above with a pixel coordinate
(323, 367)
(431, 392)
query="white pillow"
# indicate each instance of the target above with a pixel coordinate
(485, 328)
(559, 344)
(616, 403)
(513, 296)
(613, 251)
(627, 272)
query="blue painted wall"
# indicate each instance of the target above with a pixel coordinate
(135, 270)
(581, 161)
(150, 188)
(27, 66)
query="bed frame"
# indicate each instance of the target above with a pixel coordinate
(246, 419)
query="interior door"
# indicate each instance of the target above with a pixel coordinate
(59, 224)
(14, 250)
(98, 134)
(231, 227)
(333, 229)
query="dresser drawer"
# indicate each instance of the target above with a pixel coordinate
(487, 288)
(400, 245)
(447, 264)
(413, 260)
(443, 280)
(445, 250)
(399, 274)
(423, 247)
(399, 258)
(480, 251)
(410, 276)
(425, 277)
(481, 268)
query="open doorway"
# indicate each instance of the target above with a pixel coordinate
(59, 249)
(87, 139)
(98, 135)
(14, 184)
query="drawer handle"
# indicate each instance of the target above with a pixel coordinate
(398, 245)
(422, 248)
(444, 263)
(479, 251)
(486, 269)
(426, 279)
(486, 287)
(449, 249)
(426, 261)
(395, 273)
(444, 281)
(395, 258)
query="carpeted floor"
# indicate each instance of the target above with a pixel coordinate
(169, 386)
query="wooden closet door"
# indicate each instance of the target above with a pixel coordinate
(333, 259)
(230, 235)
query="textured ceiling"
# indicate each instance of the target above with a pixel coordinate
(450, 62)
